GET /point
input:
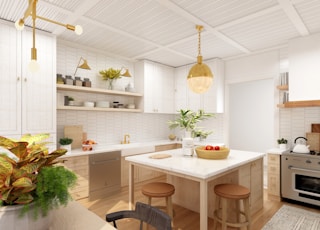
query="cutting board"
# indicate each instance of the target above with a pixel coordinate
(315, 128)
(74, 132)
(313, 141)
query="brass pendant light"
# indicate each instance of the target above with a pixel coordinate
(200, 76)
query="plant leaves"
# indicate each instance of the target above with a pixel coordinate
(25, 198)
(22, 182)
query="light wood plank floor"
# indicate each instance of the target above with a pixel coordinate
(184, 219)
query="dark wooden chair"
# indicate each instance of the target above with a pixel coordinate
(146, 214)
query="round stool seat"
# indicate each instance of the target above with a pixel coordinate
(232, 191)
(158, 189)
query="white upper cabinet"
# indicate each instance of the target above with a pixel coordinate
(156, 81)
(28, 100)
(304, 69)
(211, 101)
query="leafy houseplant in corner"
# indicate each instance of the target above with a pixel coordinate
(187, 120)
(31, 182)
(110, 75)
(282, 143)
(65, 143)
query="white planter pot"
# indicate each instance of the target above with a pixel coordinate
(10, 219)
(283, 146)
(67, 147)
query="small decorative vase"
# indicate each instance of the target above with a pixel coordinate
(187, 144)
(110, 84)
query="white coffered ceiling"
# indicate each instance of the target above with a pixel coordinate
(164, 30)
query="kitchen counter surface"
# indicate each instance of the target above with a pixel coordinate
(136, 147)
(277, 151)
(194, 166)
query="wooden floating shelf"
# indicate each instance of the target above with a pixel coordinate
(77, 108)
(283, 87)
(294, 104)
(96, 90)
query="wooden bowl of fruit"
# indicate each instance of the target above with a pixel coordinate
(212, 152)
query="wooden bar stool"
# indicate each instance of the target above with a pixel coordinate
(235, 193)
(160, 190)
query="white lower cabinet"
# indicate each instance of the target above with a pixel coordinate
(28, 100)
(211, 101)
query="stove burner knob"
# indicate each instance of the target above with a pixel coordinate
(308, 161)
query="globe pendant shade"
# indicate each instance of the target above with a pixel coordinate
(200, 78)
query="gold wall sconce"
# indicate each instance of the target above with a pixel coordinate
(126, 72)
(32, 11)
(84, 65)
(200, 76)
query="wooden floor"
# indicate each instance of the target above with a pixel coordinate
(184, 219)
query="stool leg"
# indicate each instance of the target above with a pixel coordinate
(224, 213)
(215, 212)
(247, 212)
(169, 207)
(149, 200)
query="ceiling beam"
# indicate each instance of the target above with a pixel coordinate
(190, 17)
(294, 17)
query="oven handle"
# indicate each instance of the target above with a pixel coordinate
(306, 170)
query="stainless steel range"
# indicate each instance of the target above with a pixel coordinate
(300, 177)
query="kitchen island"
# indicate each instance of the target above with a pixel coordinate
(194, 178)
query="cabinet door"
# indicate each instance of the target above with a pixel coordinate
(157, 83)
(10, 78)
(38, 89)
(211, 101)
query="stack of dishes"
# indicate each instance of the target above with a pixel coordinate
(103, 104)
(88, 104)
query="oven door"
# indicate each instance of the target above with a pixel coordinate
(306, 181)
(301, 184)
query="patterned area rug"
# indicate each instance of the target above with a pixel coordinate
(291, 218)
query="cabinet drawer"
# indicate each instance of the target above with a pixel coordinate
(275, 169)
(274, 159)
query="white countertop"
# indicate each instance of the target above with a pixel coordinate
(277, 151)
(128, 149)
(194, 166)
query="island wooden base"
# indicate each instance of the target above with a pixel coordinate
(249, 175)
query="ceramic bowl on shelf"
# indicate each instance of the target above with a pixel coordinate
(103, 104)
(223, 153)
(88, 104)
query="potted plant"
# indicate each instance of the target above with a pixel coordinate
(65, 143)
(31, 179)
(110, 75)
(282, 143)
(187, 120)
(201, 134)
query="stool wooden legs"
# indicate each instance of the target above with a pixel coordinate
(221, 213)
(169, 206)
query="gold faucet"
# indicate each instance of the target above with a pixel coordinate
(125, 140)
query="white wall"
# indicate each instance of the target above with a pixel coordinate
(109, 127)
(250, 87)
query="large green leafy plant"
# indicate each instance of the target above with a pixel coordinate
(29, 174)
(188, 119)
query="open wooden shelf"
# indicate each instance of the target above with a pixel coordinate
(96, 90)
(283, 87)
(77, 108)
(294, 104)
